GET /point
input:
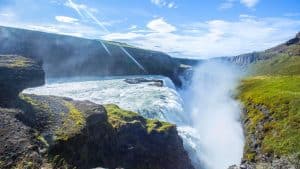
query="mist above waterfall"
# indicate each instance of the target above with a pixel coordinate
(214, 114)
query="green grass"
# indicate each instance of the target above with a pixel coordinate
(273, 83)
(281, 96)
(118, 117)
(281, 64)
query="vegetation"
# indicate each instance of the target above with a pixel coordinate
(119, 117)
(281, 96)
(73, 122)
(281, 64)
(37, 105)
(271, 96)
(15, 62)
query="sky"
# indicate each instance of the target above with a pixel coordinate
(181, 28)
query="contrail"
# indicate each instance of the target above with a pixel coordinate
(99, 23)
(131, 57)
(105, 47)
(96, 20)
(75, 7)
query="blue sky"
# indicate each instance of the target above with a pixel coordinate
(182, 28)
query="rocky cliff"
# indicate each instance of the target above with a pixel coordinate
(291, 48)
(54, 132)
(17, 73)
(65, 56)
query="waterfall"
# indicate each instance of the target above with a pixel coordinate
(215, 115)
(205, 114)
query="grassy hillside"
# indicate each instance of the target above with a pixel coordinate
(281, 64)
(271, 96)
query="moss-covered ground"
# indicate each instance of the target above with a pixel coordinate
(11, 61)
(118, 117)
(73, 122)
(281, 96)
(271, 96)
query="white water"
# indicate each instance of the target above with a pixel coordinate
(215, 115)
(207, 117)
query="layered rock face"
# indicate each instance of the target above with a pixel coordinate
(54, 132)
(65, 56)
(16, 74)
(291, 47)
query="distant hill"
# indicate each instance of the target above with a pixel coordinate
(289, 48)
(67, 56)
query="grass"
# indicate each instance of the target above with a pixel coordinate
(281, 64)
(273, 83)
(37, 105)
(73, 122)
(118, 117)
(158, 126)
(281, 96)
(14, 61)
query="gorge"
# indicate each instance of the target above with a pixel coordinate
(188, 115)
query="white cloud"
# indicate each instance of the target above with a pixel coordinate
(249, 3)
(215, 37)
(161, 26)
(122, 36)
(66, 19)
(132, 27)
(292, 14)
(164, 3)
(227, 4)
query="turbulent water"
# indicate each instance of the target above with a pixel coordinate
(165, 103)
(215, 114)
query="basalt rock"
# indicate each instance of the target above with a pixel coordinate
(86, 135)
(16, 74)
(55, 132)
(151, 82)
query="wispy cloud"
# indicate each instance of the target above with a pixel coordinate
(227, 4)
(292, 14)
(66, 19)
(249, 3)
(215, 37)
(164, 3)
(88, 13)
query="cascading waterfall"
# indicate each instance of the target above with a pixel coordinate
(205, 114)
(215, 115)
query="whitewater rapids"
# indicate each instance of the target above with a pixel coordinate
(151, 101)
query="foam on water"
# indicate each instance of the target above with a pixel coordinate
(166, 104)
(162, 103)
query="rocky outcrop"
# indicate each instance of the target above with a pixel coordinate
(254, 156)
(16, 74)
(86, 135)
(54, 132)
(151, 82)
(66, 56)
